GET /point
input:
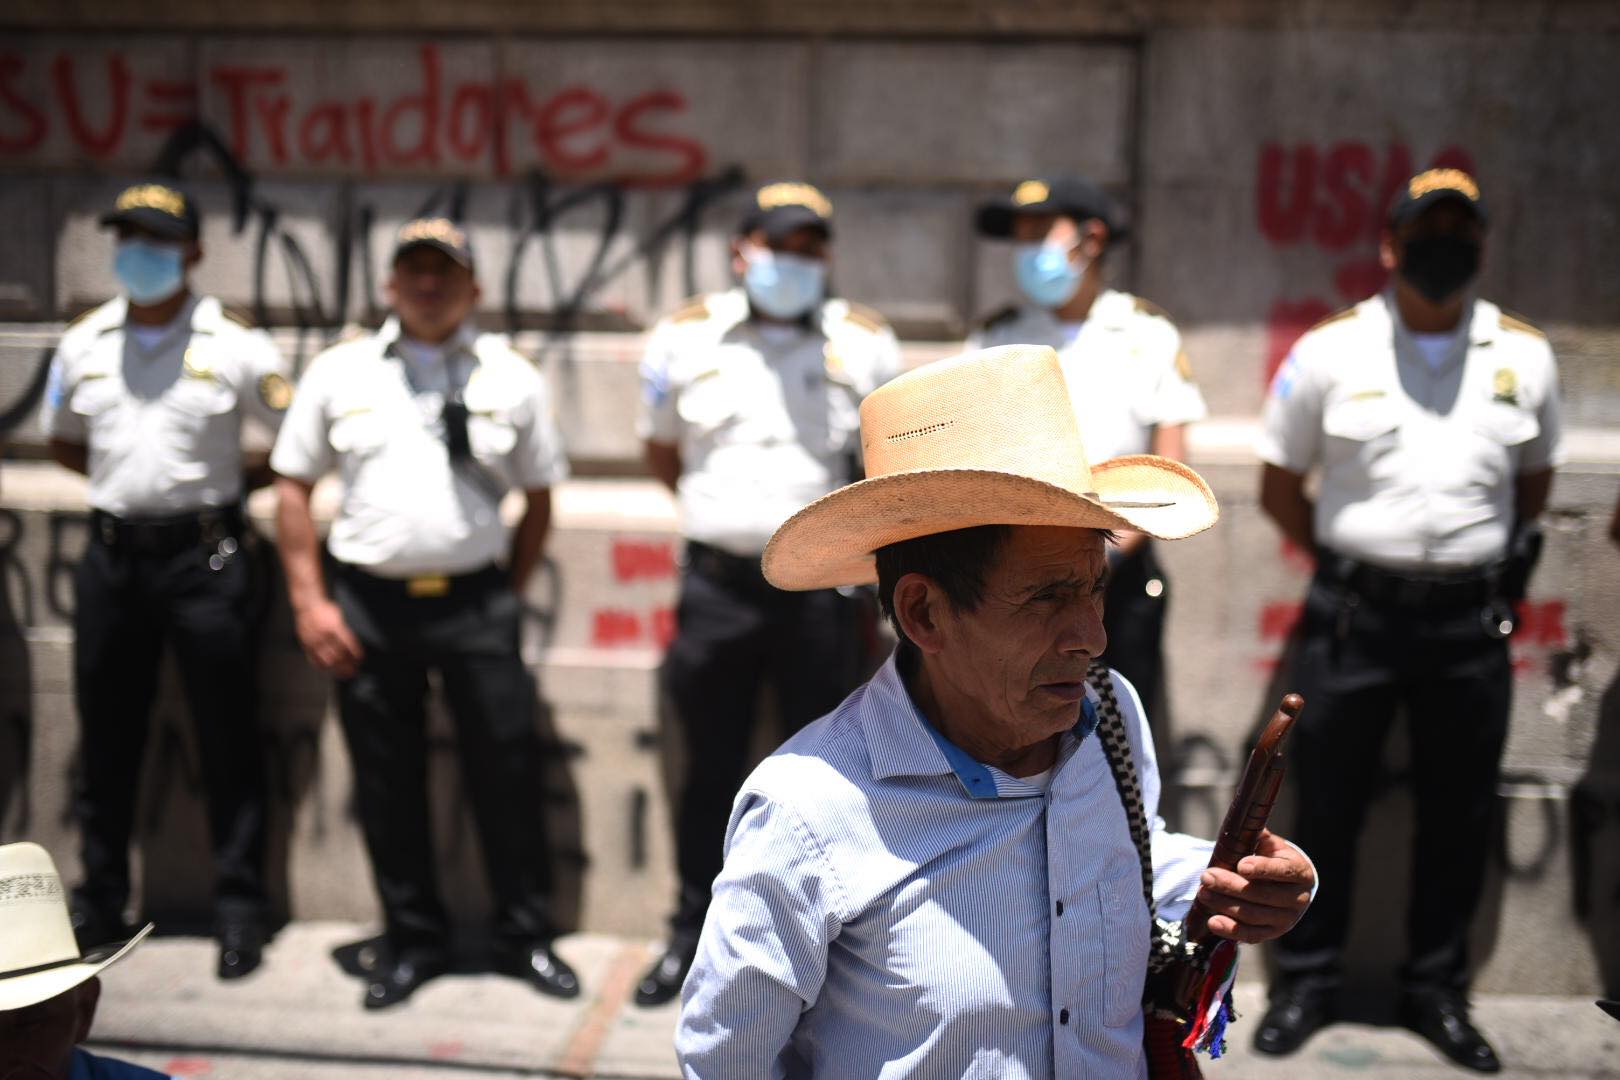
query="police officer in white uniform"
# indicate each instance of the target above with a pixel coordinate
(1140, 393)
(429, 424)
(1432, 420)
(146, 396)
(750, 411)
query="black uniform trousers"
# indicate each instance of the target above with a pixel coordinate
(141, 585)
(1133, 617)
(734, 632)
(1445, 664)
(469, 632)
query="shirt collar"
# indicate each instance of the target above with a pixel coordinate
(902, 742)
(389, 333)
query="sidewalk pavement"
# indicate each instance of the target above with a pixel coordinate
(300, 1016)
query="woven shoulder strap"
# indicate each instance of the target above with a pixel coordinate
(1116, 747)
(1166, 942)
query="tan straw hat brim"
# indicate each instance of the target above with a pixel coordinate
(831, 542)
(21, 991)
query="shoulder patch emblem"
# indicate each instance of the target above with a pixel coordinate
(866, 318)
(1505, 386)
(1513, 322)
(1183, 366)
(691, 310)
(275, 391)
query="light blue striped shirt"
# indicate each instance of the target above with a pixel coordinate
(890, 907)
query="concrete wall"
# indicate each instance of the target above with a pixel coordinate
(599, 153)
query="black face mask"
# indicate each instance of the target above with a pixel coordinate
(1438, 266)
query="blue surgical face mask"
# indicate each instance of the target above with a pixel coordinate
(1046, 275)
(784, 286)
(149, 272)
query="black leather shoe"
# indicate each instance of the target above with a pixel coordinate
(1294, 1015)
(1441, 1016)
(396, 978)
(542, 969)
(663, 980)
(241, 948)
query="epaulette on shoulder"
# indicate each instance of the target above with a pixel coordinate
(1513, 322)
(866, 318)
(690, 310)
(999, 316)
(1337, 316)
(83, 318)
(1148, 307)
(238, 316)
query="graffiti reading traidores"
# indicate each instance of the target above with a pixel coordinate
(439, 109)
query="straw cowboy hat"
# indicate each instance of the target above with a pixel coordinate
(986, 438)
(39, 958)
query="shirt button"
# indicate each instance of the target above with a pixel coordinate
(1060, 909)
(1063, 1017)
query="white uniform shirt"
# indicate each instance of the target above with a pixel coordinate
(163, 423)
(375, 416)
(1417, 461)
(1127, 362)
(765, 417)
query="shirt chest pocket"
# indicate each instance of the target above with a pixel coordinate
(1361, 418)
(1122, 915)
(1364, 429)
(711, 401)
(491, 435)
(358, 431)
(94, 396)
(198, 400)
(1506, 424)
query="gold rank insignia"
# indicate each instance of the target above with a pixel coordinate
(1030, 191)
(1443, 180)
(789, 193)
(275, 391)
(196, 368)
(441, 229)
(1505, 386)
(1183, 366)
(152, 197)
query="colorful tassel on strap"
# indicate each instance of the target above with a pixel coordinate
(1207, 1032)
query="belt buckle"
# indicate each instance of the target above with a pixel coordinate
(427, 586)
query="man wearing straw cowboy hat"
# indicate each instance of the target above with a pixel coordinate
(48, 990)
(939, 877)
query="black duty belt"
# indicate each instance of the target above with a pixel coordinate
(1413, 589)
(166, 535)
(420, 586)
(717, 564)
